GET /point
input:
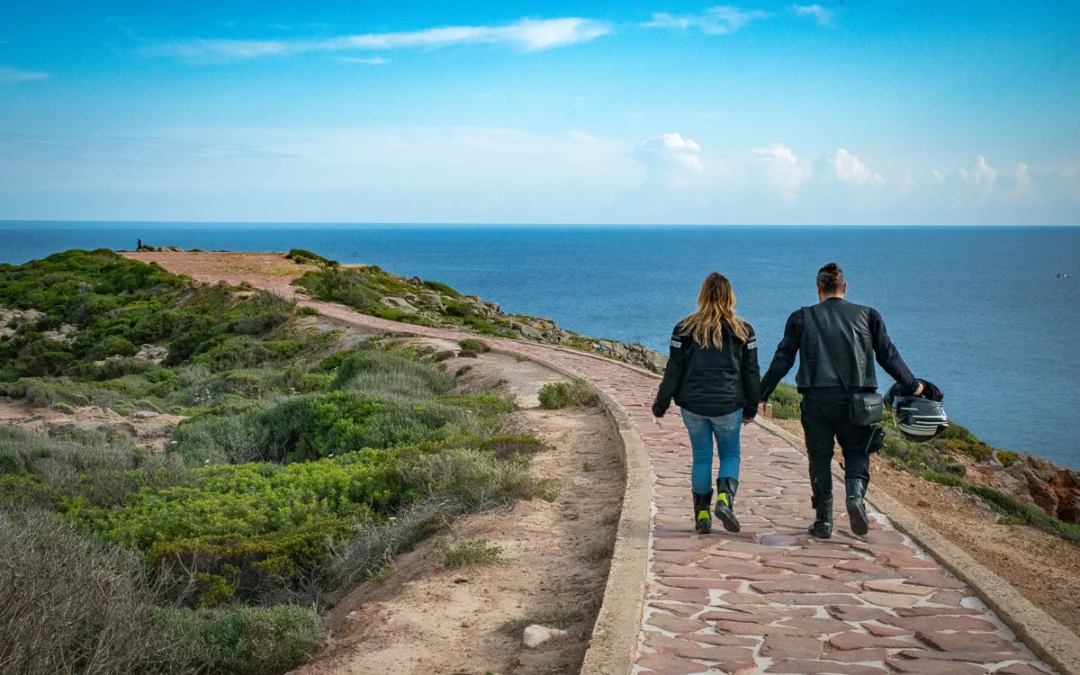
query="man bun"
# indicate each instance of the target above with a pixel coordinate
(831, 278)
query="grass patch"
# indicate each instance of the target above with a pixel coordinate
(456, 553)
(600, 551)
(474, 345)
(556, 395)
(562, 615)
(304, 257)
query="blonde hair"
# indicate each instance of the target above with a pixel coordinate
(716, 307)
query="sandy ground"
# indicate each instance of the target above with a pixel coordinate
(430, 620)
(1043, 567)
(271, 271)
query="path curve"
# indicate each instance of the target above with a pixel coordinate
(771, 599)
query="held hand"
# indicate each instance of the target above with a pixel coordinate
(765, 408)
(919, 389)
(747, 420)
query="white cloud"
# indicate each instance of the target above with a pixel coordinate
(822, 15)
(670, 159)
(372, 61)
(1023, 178)
(526, 34)
(782, 170)
(984, 173)
(715, 21)
(10, 75)
(850, 169)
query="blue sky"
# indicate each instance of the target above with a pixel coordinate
(658, 111)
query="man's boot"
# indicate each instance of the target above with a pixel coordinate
(725, 503)
(856, 507)
(702, 518)
(822, 527)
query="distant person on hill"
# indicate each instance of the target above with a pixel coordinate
(838, 341)
(712, 373)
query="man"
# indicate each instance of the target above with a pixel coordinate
(855, 334)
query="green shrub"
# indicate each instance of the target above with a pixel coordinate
(1006, 458)
(239, 640)
(786, 402)
(307, 311)
(475, 479)
(303, 257)
(474, 345)
(455, 553)
(555, 395)
(441, 288)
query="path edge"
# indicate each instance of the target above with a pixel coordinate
(1051, 640)
(613, 645)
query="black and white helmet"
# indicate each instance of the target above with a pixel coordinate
(918, 418)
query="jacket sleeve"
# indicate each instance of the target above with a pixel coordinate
(751, 374)
(785, 355)
(888, 357)
(672, 374)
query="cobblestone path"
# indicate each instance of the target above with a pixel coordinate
(770, 599)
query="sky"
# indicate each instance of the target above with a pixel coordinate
(627, 111)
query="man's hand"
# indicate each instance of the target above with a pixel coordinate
(747, 420)
(919, 389)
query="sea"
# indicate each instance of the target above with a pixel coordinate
(990, 315)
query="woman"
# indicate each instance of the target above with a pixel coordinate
(713, 376)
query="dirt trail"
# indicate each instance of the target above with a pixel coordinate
(426, 619)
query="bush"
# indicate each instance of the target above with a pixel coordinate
(786, 402)
(69, 604)
(475, 479)
(239, 640)
(474, 345)
(456, 553)
(555, 395)
(303, 257)
(441, 288)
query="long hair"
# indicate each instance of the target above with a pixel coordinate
(716, 308)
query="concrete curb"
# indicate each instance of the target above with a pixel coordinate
(613, 645)
(1045, 635)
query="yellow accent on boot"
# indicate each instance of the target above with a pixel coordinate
(703, 515)
(722, 498)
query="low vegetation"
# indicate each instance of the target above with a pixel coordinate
(555, 395)
(298, 473)
(455, 553)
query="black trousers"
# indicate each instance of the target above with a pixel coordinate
(824, 423)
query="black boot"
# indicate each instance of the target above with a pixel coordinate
(822, 527)
(702, 519)
(856, 507)
(725, 503)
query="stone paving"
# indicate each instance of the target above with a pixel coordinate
(770, 599)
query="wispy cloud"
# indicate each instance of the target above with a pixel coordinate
(719, 20)
(367, 61)
(10, 75)
(822, 15)
(527, 34)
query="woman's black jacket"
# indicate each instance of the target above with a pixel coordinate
(708, 381)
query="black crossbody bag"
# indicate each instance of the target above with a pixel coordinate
(866, 407)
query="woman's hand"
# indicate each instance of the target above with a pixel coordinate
(747, 420)
(765, 408)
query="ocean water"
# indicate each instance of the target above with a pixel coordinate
(981, 312)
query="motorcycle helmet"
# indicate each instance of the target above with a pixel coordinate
(918, 418)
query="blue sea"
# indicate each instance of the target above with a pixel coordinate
(981, 312)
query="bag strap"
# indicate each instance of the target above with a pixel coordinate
(832, 359)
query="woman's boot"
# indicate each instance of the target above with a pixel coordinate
(822, 527)
(856, 507)
(702, 519)
(725, 503)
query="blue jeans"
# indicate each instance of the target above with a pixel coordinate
(726, 429)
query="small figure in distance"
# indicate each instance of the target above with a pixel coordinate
(855, 335)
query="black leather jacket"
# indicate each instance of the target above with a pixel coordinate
(857, 336)
(708, 381)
